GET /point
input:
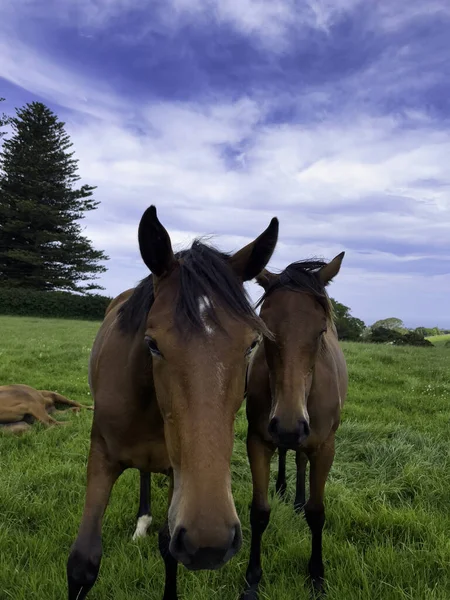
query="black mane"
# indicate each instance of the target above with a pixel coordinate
(302, 276)
(204, 273)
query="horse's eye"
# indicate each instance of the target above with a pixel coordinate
(252, 347)
(152, 346)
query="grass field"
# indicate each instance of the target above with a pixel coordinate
(387, 534)
(439, 340)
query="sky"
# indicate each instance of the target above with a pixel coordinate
(333, 115)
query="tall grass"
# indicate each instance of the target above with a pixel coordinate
(387, 534)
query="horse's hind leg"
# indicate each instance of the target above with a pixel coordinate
(40, 414)
(280, 486)
(144, 516)
(320, 465)
(301, 461)
(84, 560)
(259, 455)
(62, 402)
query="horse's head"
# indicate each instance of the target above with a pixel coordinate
(200, 333)
(297, 310)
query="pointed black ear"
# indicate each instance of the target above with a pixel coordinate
(329, 271)
(154, 243)
(265, 279)
(249, 261)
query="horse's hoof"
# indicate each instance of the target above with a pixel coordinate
(317, 578)
(318, 593)
(250, 594)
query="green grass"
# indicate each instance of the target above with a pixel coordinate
(439, 340)
(387, 534)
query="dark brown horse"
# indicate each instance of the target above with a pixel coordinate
(167, 373)
(297, 385)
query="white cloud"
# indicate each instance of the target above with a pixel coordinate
(274, 24)
(288, 170)
(268, 22)
(182, 171)
(21, 65)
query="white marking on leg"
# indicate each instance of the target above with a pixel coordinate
(143, 523)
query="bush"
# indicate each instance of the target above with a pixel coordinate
(383, 335)
(64, 305)
(412, 338)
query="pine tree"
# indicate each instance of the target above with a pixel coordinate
(41, 245)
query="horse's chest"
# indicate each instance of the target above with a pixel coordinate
(141, 447)
(147, 455)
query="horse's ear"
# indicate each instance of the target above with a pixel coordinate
(329, 271)
(250, 260)
(154, 243)
(265, 279)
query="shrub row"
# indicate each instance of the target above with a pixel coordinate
(383, 335)
(33, 303)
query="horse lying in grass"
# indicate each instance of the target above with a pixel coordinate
(167, 373)
(297, 384)
(21, 405)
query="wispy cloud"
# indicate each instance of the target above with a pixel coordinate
(41, 75)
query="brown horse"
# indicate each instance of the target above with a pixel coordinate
(167, 373)
(297, 385)
(22, 405)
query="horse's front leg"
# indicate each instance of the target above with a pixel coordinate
(259, 454)
(280, 486)
(170, 563)
(144, 516)
(320, 464)
(301, 461)
(84, 560)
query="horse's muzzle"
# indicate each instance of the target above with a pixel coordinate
(208, 558)
(289, 439)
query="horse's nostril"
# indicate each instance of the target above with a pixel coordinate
(303, 429)
(178, 544)
(237, 539)
(182, 544)
(273, 426)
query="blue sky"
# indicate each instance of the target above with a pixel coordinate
(333, 115)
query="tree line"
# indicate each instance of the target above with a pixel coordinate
(391, 330)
